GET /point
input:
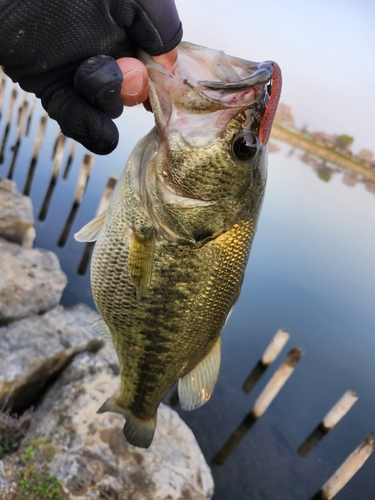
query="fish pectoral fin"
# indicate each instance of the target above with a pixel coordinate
(91, 231)
(196, 388)
(101, 328)
(138, 431)
(141, 260)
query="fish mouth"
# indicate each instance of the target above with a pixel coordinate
(260, 76)
(205, 81)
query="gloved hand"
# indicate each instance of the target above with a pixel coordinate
(64, 51)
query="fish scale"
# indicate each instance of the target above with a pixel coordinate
(172, 247)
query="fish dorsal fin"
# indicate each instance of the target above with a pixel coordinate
(141, 259)
(138, 431)
(196, 387)
(91, 231)
(102, 329)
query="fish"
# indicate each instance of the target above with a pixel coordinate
(172, 246)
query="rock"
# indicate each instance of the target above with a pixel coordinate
(31, 281)
(16, 215)
(91, 457)
(35, 349)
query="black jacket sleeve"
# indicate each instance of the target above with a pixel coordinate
(44, 42)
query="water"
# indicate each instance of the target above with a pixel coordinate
(311, 271)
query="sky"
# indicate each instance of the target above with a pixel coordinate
(325, 48)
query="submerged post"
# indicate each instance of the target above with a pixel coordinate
(37, 146)
(58, 155)
(69, 162)
(84, 175)
(2, 93)
(276, 382)
(270, 354)
(337, 412)
(104, 200)
(347, 470)
(8, 122)
(30, 117)
(261, 404)
(15, 148)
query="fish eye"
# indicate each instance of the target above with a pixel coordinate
(245, 146)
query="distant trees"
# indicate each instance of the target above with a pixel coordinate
(284, 115)
(343, 141)
(366, 155)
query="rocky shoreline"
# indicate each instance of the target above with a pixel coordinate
(55, 372)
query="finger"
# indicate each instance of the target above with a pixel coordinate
(99, 80)
(83, 122)
(167, 60)
(135, 81)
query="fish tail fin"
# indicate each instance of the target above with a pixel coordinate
(138, 431)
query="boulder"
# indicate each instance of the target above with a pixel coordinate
(16, 215)
(33, 350)
(88, 453)
(31, 281)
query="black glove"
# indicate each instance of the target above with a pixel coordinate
(64, 50)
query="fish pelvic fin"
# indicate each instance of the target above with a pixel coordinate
(140, 261)
(137, 431)
(91, 231)
(101, 328)
(195, 388)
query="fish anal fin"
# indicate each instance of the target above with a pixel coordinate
(91, 231)
(138, 431)
(101, 328)
(141, 259)
(195, 388)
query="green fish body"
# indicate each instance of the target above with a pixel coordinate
(172, 247)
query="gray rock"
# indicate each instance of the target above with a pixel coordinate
(16, 215)
(35, 349)
(31, 281)
(91, 456)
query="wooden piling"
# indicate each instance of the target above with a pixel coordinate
(84, 175)
(69, 162)
(37, 146)
(58, 155)
(59, 143)
(30, 117)
(2, 94)
(104, 200)
(270, 354)
(261, 404)
(16, 147)
(234, 439)
(277, 382)
(347, 470)
(337, 412)
(21, 107)
(8, 123)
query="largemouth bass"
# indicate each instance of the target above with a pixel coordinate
(172, 247)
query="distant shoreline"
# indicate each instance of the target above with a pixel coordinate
(299, 140)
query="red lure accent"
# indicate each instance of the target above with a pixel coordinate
(269, 115)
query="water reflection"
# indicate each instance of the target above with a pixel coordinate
(326, 170)
(271, 390)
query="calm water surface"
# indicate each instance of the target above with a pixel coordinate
(311, 270)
